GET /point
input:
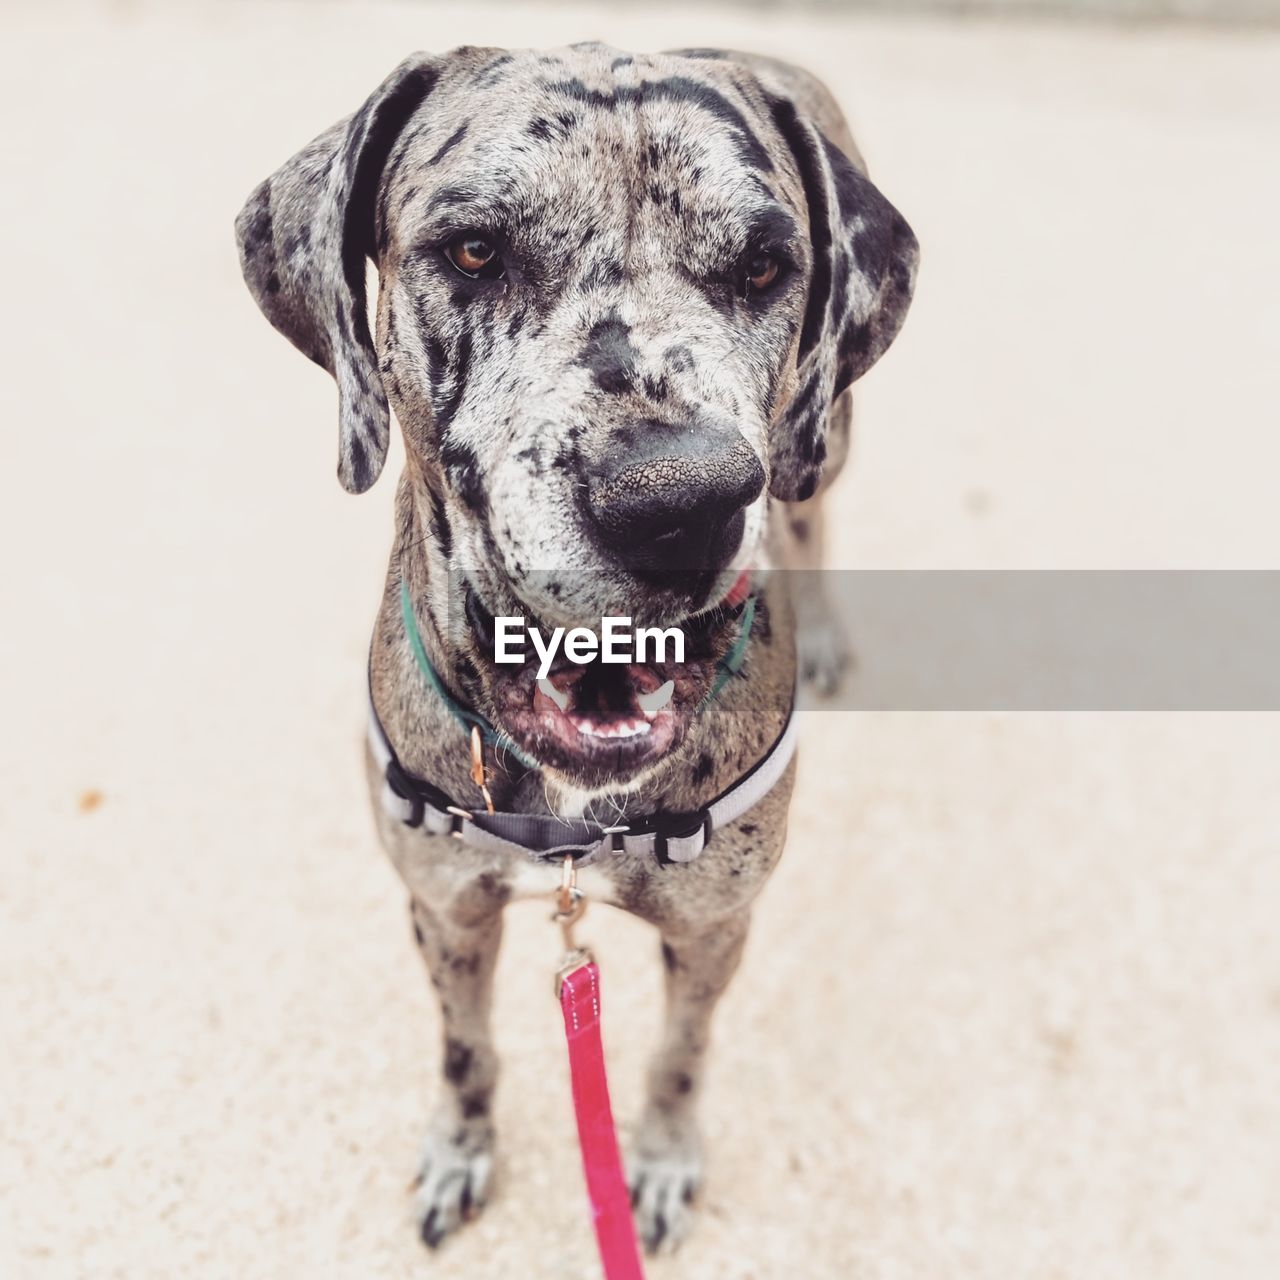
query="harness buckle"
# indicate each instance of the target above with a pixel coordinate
(665, 827)
(416, 792)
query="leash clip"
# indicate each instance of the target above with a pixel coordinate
(571, 906)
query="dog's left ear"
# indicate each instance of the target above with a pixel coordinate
(304, 235)
(864, 268)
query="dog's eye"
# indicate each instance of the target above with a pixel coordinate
(474, 256)
(760, 273)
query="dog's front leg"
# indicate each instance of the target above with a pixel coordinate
(665, 1170)
(822, 642)
(457, 1156)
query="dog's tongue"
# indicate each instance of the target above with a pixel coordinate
(739, 591)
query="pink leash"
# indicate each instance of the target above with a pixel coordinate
(578, 986)
(601, 1161)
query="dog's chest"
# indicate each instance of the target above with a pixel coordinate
(540, 880)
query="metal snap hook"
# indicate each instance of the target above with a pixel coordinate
(571, 904)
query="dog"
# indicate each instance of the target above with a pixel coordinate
(620, 302)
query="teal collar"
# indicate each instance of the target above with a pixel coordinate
(726, 669)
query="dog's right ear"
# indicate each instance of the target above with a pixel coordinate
(304, 235)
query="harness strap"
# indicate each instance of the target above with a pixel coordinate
(731, 663)
(670, 837)
(465, 717)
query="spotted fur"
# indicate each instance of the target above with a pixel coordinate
(625, 192)
(628, 187)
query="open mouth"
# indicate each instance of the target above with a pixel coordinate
(620, 715)
(603, 719)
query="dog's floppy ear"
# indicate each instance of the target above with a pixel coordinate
(304, 235)
(864, 267)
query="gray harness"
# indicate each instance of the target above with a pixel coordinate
(668, 837)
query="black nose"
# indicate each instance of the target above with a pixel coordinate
(678, 502)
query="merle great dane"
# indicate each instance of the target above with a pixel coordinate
(620, 301)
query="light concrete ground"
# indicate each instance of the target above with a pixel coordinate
(1012, 1006)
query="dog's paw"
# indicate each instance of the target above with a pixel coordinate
(664, 1188)
(454, 1177)
(825, 653)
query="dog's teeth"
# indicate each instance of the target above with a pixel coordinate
(560, 699)
(652, 703)
(611, 728)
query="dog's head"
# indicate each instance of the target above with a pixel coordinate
(617, 297)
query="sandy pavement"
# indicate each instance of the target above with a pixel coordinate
(1011, 1010)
